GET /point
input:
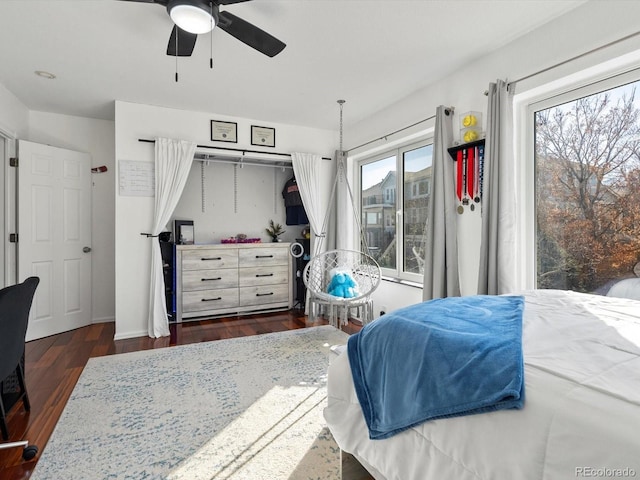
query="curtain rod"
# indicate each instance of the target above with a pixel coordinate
(564, 62)
(243, 150)
(384, 137)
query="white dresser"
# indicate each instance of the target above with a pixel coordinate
(214, 280)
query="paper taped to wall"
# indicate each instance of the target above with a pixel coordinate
(136, 179)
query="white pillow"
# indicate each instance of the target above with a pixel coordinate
(628, 288)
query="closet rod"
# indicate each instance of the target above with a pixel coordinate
(203, 157)
(243, 150)
(384, 137)
(584, 54)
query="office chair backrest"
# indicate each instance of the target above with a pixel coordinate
(15, 305)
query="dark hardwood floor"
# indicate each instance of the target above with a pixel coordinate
(53, 366)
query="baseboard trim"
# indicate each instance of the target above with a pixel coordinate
(127, 335)
(103, 320)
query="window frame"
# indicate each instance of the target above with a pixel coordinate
(398, 152)
(525, 125)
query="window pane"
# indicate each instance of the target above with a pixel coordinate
(379, 209)
(588, 191)
(416, 166)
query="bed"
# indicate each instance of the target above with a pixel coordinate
(581, 416)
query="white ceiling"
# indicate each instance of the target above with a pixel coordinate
(369, 52)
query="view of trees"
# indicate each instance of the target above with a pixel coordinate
(588, 191)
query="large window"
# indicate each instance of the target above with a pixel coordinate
(394, 200)
(587, 186)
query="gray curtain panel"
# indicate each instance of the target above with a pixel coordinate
(344, 205)
(497, 247)
(441, 278)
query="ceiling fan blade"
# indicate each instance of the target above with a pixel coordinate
(186, 42)
(229, 2)
(250, 34)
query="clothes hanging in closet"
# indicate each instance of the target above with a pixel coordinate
(296, 214)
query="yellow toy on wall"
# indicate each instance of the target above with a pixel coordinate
(471, 126)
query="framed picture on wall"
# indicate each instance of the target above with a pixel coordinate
(263, 136)
(224, 131)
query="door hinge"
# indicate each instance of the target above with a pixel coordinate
(13, 161)
(13, 238)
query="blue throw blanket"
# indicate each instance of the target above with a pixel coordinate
(441, 358)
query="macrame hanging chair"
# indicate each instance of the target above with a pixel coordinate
(360, 267)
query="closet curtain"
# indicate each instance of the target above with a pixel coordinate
(306, 168)
(441, 278)
(497, 273)
(173, 163)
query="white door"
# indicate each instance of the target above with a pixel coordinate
(54, 235)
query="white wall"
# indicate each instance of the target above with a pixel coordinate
(76, 133)
(590, 26)
(134, 214)
(236, 200)
(95, 137)
(14, 115)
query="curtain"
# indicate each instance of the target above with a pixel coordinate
(345, 209)
(497, 246)
(441, 278)
(173, 163)
(306, 168)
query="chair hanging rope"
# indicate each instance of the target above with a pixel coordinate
(340, 281)
(341, 176)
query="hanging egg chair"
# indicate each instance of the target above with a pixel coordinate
(318, 276)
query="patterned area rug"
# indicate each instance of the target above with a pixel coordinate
(245, 408)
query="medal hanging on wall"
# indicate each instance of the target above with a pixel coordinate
(470, 177)
(459, 179)
(476, 177)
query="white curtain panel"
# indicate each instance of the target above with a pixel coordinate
(306, 168)
(497, 272)
(173, 163)
(441, 277)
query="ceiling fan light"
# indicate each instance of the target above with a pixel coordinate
(191, 18)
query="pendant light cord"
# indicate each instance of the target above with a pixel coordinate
(211, 36)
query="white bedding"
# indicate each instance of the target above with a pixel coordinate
(581, 416)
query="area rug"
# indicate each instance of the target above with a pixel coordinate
(244, 408)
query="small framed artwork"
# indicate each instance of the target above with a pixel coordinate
(224, 131)
(183, 232)
(263, 136)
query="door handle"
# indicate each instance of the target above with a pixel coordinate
(86, 249)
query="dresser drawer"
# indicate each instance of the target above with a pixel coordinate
(209, 300)
(214, 258)
(262, 295)
(209, 279)
(278, 274)
(262, 256)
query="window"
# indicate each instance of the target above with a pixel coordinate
(587, 187)
(397, 242)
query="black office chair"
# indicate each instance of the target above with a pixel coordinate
(15, 305)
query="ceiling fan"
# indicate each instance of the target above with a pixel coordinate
(193, 17)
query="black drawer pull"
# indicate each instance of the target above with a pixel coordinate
(210, 258)
(264, 294)
(211, 299)
(210, 279)
(264, 275)
(264, 256)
